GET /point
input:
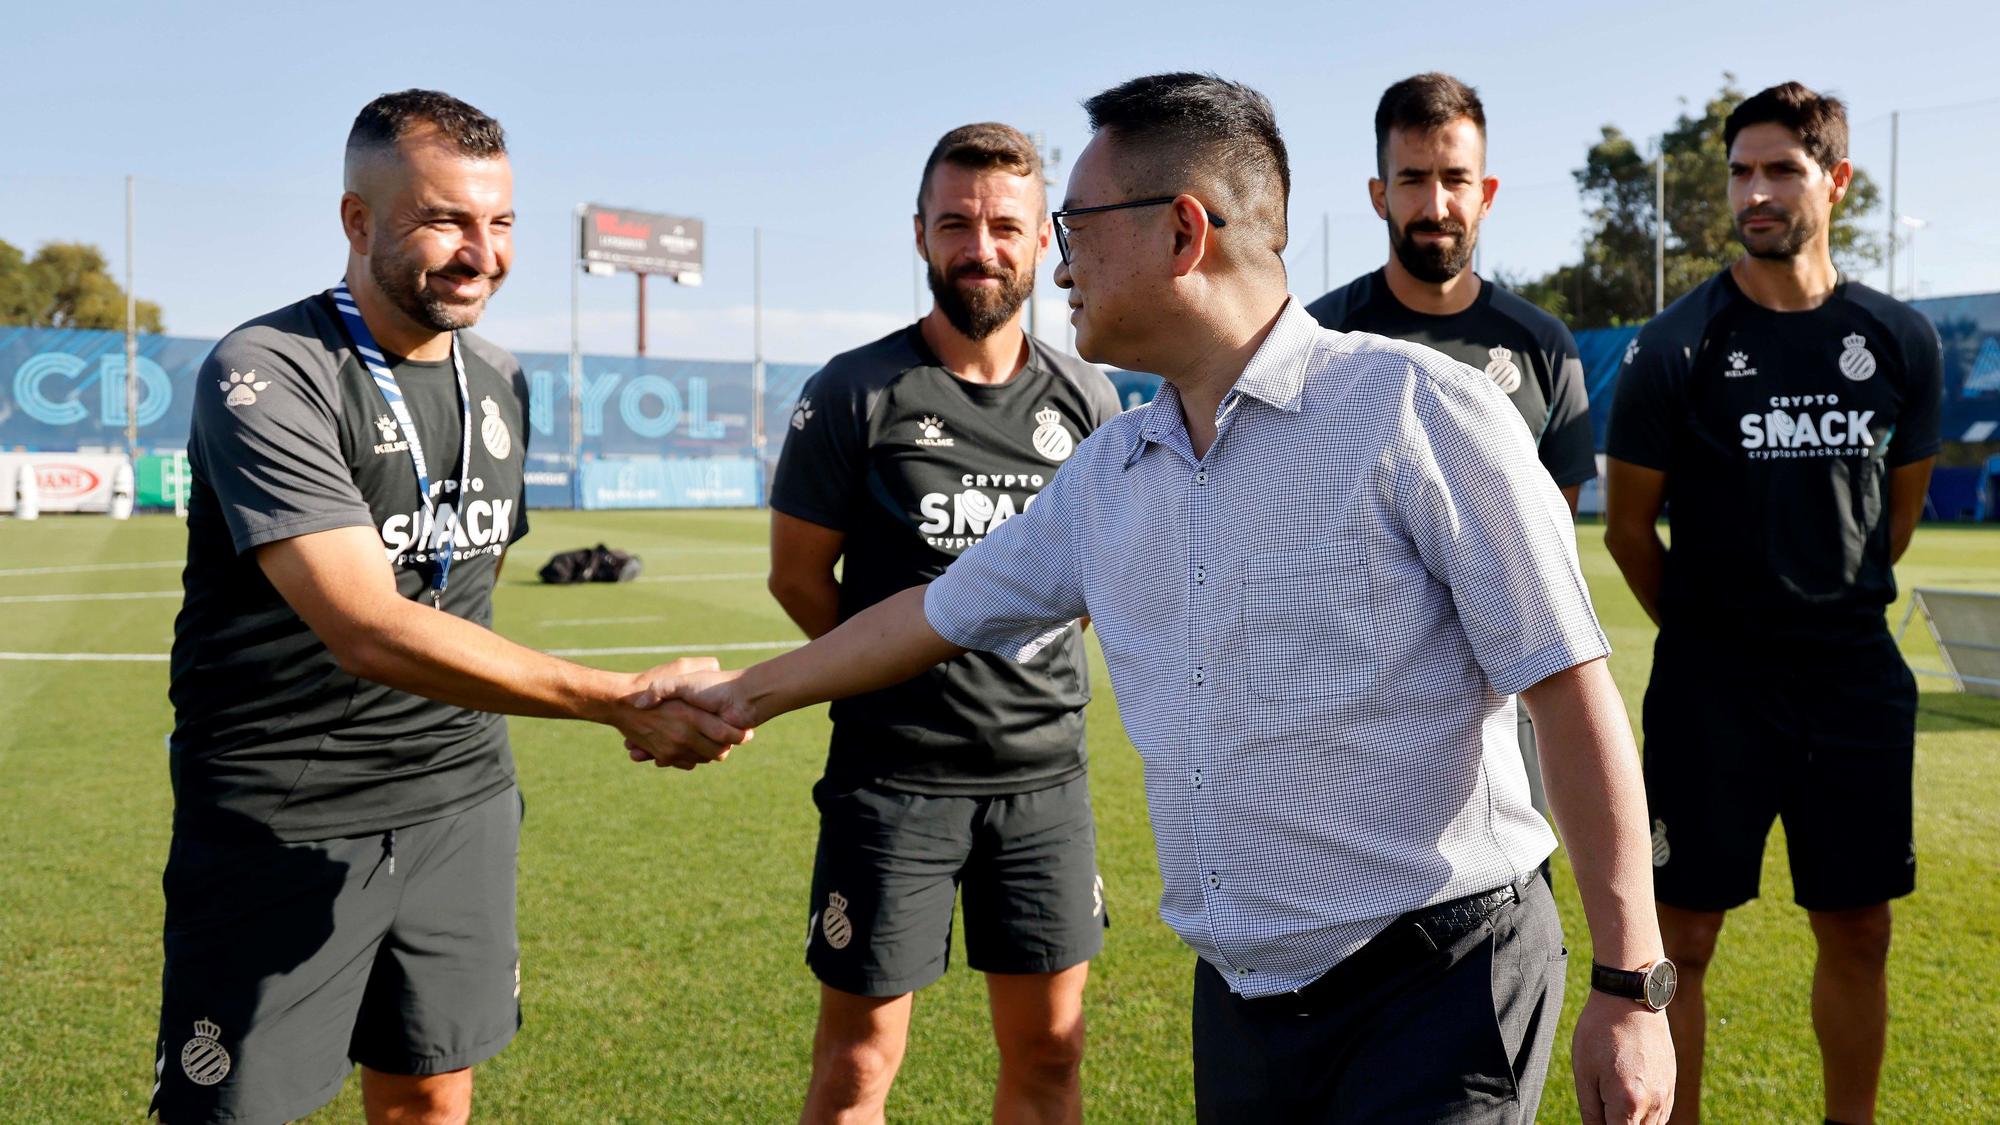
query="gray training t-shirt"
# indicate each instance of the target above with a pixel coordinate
(291, 436)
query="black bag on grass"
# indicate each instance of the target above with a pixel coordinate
(592, 564)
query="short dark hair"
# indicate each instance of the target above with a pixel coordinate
(1818, 120)
(983, 147)
(388, 119)
(1187, 125)
(1424, 102)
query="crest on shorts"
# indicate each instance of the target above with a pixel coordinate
(1661, 852)
(204, 1060)
(839, 931)
(493, 431)
(1857, 362)
(1097, 898)
(1632, 350)
(1051, 439)
(1501, 369)
(802, 413)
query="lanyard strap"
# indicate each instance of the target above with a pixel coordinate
(392, 394)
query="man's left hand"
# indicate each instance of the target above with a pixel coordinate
(1623, 1056)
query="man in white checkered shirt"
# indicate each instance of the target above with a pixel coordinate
(1318, 564)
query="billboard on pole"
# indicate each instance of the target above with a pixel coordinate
(642, 242)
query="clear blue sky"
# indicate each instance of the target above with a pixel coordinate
(812, 121)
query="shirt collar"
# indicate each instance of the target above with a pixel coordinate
(1275, 376)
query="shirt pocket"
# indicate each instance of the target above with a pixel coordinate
(1304, 620)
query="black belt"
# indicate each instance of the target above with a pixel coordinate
(1406, 943)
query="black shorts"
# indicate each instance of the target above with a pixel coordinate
(286, 964)
(1743, 729)
(890, 862)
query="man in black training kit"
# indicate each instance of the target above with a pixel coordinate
(903, 454)
(1787, 417)
(340, 887)
(1432, 189)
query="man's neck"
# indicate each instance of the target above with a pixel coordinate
(1215, 359)
(1432, 298)
(990, 362)
(392, 328)
(1803, 281)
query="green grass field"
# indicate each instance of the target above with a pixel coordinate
(663, 914)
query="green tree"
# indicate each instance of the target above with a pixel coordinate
(1613, 283)
(66, 285)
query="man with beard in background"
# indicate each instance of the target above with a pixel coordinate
(1786, 418)
(1432, 189)
(903, 454)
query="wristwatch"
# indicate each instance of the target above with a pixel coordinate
(1652, 986)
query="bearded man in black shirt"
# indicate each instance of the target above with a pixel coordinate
(903, 454)
(1786, 417)
(340, 888)
(1433, 190)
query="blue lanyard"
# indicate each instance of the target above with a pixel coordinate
(392, 394)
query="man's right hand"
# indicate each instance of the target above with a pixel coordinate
(660, 727)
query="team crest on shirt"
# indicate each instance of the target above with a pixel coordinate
(243, 387)
(1857, 362)
(930, 431)
(802, 413)
(493, 431)
(204, 1060)
(1051, 439)
(839, 931)
(1739, 366)
(1661, 852)
(1500, 367)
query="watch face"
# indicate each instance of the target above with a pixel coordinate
(1661, 980)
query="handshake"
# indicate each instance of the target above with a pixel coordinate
(683, 714)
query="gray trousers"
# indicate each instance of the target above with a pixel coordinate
(1462, 1034)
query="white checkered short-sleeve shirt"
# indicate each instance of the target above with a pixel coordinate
(1313, 632)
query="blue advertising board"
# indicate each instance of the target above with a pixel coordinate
(655, 432)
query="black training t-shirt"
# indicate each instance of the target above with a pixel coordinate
(1527, 352)
(1777, 431)
(915, 466)
(291, 436)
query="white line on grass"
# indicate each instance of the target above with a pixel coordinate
(628, 650)
(14, 599)
(643, 650)
(73, 657)
(89, 567)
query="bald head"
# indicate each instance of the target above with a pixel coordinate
(1213, 138)
(376, 143)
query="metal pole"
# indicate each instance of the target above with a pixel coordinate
(757, 434)
(1660, 227)
(131, 336)
(642, 315)
(1895, 125)
(575, 365)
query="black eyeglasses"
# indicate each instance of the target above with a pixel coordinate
(1062, 227)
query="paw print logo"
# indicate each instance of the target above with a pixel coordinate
(1738, 360)
(243, 387)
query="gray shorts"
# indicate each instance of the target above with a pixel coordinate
(287, 963)
(890, 864)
